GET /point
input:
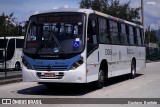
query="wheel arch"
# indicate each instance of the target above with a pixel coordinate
(17, 62)
(104, 66)
(134, 61)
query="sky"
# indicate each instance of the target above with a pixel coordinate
(22, 9)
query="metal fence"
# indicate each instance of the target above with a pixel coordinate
(152, 54)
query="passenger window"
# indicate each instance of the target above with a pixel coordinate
(114, 32)
(131, 35)
(139, 41)
(123, 34)
(103, 31)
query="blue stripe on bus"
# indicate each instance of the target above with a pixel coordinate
(56, 63)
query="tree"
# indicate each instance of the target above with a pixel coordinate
(85, 4)
(113, 8)
(150, 36)
(8, 25)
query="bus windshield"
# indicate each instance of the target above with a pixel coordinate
(55, 33)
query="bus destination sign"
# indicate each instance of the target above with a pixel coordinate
(60, 18)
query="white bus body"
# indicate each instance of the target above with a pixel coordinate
(111, 47)
(13, 47)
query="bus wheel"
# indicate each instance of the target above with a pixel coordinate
(133, 70)
(17, 66)
(101, 78)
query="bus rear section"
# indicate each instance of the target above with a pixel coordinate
(11, 52)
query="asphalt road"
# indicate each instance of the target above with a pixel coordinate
(145, 85)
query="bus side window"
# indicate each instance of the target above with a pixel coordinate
(92, 42)
(127, 32)
(131, 35)
(92, 34)
(135, 36)
(10, 49)
(123, 34)
(19, 43)
(139, 39)
(114, 32)
(104, 36)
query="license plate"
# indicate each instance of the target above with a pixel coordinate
(49, 74)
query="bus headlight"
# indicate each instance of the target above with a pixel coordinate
(77, 63)
(26, 64)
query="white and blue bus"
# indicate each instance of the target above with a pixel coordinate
(11, 58)
(81, 46)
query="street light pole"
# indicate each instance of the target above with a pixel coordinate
(5, 58)
(142, 12)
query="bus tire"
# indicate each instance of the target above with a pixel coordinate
(133, 70)
(101, 78)
(17, 66)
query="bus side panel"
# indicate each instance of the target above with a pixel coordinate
(120, 60)
(141, 58)
(95, 59)
(13, 54)
(19, 47)
(18, 56)
(93, 66)
(10, 53)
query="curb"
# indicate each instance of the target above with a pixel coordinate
(152, 61)
(10, 79)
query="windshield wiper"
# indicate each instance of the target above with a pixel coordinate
(58, 43)
(51, 33)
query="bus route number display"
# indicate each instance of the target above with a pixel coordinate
(52, 18)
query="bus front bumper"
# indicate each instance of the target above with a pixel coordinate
(72, 76)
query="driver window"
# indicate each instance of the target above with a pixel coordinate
(33, 32)
(92, 32)
(92, 43)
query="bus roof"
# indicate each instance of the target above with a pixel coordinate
(88, 11)
(67, 10)
(12, 37)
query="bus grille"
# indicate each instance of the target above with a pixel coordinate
(51, 68)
